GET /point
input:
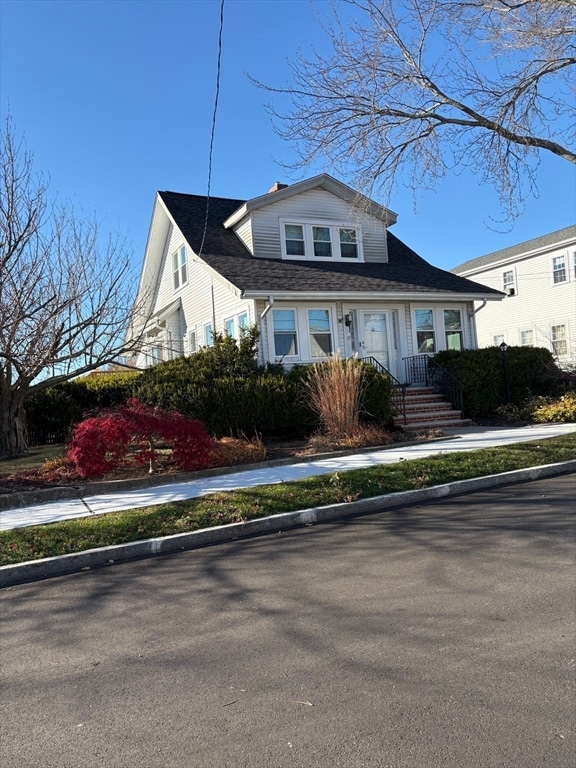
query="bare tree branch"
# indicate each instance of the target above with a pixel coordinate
(66, 292)
(414, 89)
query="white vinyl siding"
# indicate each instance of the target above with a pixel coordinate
(539, 305)
(317, 207)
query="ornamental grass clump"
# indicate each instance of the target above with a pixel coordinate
(334, 391)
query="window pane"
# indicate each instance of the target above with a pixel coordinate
(426, 342)
(322, 244)
(284, 322)
(452, 320)
(229, 326)
(183, 273)
(348, 246)
(424, 320)
(319, 320)
(175, 270)
(208, 335)
(453, 340)
(243, 321)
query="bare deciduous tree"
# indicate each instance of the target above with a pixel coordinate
(66, 297)
(413, 89)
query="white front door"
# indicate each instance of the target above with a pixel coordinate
(373, 333)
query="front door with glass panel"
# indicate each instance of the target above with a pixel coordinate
(374, 336)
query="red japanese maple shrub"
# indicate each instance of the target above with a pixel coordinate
(101, 443)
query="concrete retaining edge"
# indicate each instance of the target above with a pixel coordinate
(35, 570)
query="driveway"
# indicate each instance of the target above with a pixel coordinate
(426, 636)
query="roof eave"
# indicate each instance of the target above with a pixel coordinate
(371, 295)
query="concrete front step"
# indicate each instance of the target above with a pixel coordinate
(439, 424)
(429, 416)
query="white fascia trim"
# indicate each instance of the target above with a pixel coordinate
(499, 263)
(322, 180)
(372, 296)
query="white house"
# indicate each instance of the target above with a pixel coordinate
(539, 280)
(313, 264)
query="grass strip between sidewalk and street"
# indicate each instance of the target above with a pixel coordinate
(36, 542)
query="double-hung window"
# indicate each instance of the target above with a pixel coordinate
(453, 328)
(509, 283)
(425, 333)
(559, 274)
(559, 343)
(285, 338)
(192, 344)
(527, 338)
(319, 333)
(179, 269)
(320, 241)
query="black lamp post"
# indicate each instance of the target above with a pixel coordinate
(504, 348)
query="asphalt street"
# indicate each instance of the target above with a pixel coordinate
(439, 634)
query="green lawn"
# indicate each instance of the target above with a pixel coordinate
(34, 459)
(36, 542)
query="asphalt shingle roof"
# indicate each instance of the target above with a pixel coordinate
(405, 271)
(518, 250)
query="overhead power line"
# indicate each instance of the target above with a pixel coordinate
(213, 131)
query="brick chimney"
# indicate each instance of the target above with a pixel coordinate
(277, 186)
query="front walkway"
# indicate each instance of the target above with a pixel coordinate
(463, 439)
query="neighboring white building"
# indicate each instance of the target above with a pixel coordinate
(539, 279)
(312, 264)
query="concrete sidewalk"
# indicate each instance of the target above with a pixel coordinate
(464, 439)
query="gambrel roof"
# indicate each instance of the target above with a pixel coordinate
(405, 274)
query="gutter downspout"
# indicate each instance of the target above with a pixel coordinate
(263, 323)
(268, 307)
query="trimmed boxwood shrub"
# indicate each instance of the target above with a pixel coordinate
(51, 412)
(531, 372)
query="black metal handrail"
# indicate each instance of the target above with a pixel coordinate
(424, 369)
(398, 399)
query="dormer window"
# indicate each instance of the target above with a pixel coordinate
(320, 241)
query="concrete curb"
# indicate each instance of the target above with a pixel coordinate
(35, 570)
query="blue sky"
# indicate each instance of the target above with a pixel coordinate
(115, 98)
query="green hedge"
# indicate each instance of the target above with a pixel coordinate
(52, 411)
(531, 372)
(222, 386)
